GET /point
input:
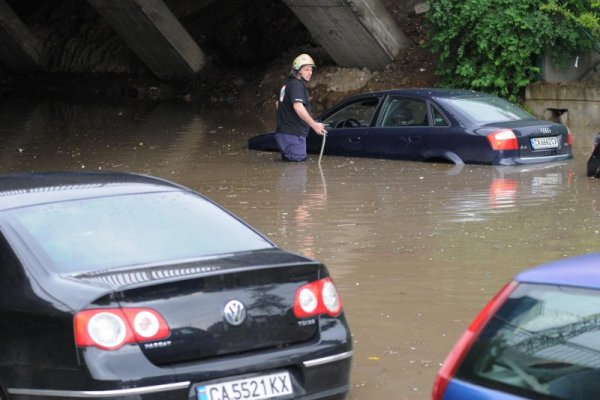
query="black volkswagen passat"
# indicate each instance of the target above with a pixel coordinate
(116, 285)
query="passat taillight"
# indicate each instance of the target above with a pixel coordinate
(503, 139)
(458, 352)
(316, 298)
(111, 328)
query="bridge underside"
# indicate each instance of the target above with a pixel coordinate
(19, 49)
(357, 33)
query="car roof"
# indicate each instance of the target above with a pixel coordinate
(429, 92)
(26, 189)
(580, 271)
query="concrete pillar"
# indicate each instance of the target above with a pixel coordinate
(355, 33)
(19, 49)
(155, 35)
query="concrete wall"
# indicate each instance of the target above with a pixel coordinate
(573, 104)
(569, 93)
(574, 68)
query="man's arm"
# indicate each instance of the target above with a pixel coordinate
(304, 115)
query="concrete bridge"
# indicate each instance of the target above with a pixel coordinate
(355, 33)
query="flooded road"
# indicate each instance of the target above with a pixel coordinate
(415, 249)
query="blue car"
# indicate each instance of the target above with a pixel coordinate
(454, 126)
(538, 338)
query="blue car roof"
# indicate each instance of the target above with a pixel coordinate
(430, 92)
(580, 271)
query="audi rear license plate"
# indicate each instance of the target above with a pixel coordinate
(254, 388)
(548, 142)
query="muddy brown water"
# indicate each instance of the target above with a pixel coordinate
(416, 249)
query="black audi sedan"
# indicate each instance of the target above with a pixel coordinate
(441, 125)
(126, 286)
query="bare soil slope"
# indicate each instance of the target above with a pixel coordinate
(412, 67)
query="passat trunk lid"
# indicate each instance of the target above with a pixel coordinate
(234, 304)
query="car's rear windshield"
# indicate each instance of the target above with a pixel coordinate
(544, 342)
(479, 110)
(119, 231)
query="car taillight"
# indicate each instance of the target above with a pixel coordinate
(569, 137)
(111, 328)
(503, 139)
(463, 344)
(316, 298)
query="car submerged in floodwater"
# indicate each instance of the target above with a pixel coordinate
(126, 286)
(441, 125)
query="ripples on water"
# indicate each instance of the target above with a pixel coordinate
(415, 248)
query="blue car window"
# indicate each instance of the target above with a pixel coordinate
(438, 117)
(402, 111)
(357, 114)
(117, 231)
(483, 109)
(544, 342)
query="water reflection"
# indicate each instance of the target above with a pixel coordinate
(299, 201)
(507, 188)
(63, 135)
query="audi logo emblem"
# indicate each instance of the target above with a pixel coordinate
(545, 130)
(234, 313)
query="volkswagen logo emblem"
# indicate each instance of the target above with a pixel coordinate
(234, 313)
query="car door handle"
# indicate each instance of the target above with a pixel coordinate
(414, 139)
(355, 139)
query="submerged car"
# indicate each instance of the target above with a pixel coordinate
(455, 126)
(593, 163)
(116, 285)
(538, 338)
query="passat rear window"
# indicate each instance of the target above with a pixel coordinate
(544, 342)
(118, 231)
(479, 110)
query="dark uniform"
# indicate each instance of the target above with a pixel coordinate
(291, 131)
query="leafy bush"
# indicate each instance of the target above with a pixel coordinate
(495, 45)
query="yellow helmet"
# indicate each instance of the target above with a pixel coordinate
(302, 60)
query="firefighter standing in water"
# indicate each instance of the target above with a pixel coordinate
(293, 111)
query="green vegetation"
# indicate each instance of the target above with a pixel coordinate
(495, 45)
